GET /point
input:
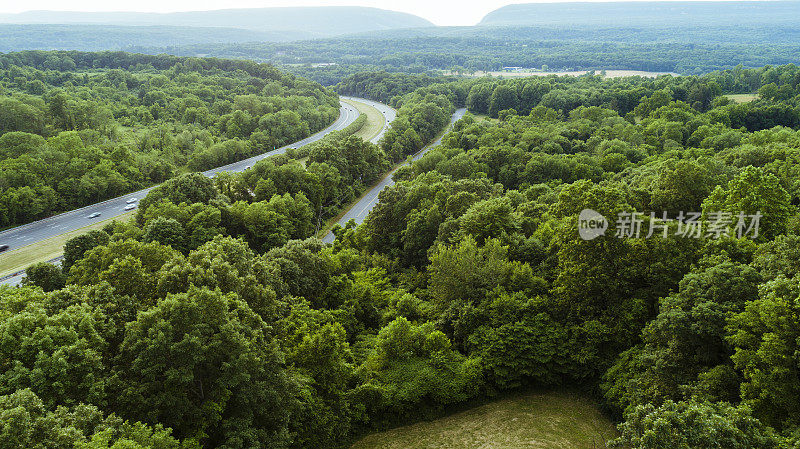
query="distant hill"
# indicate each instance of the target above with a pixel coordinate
(646, 13)
(310, 22)
(15, 37)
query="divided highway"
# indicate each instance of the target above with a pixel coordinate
(37, 231)
(388, 113)
(361, 209)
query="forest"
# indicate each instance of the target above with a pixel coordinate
(78, 128)
(669, 47)
(215, 318)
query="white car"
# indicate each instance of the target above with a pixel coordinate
(132, 200)
(130, 207)
(93, 215)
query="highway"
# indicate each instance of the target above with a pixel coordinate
(388, 113)
(361, 209)
(37, 231)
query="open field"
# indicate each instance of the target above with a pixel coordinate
(553, 420)
(742, 98)
(521, 74)
(49, 249)
(375, 120)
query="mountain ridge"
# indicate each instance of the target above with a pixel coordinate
(645, 13)
(322, 21)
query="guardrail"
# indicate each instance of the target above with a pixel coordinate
(21, 272)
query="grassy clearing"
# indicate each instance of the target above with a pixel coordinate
(552, 420)
(49, 249)
(742, 98)
(375, 120)
(484, 117)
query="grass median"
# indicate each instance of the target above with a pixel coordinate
(375, 120)
(20, 258)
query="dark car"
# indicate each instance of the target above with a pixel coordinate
(3, 248)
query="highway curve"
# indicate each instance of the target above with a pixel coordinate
(360, 210)
(32, 233)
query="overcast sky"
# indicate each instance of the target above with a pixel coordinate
(440, 12)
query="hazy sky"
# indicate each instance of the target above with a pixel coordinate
(440, 12)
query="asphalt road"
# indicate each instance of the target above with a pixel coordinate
(68, 221)
(361, 209)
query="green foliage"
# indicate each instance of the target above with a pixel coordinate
(750, 192)
(691, 425)
(219, 383)
(58, 355)
(654, 44)
(94, 126)
(76, 247)
(25, 422)
(217, 313)
(47, 276)
(685, 353)
(765, 337)
(416, 365)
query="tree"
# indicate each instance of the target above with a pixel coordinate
(766, 341)
(25, 422)
(204, 364)
(753, 191)
(127, 265)
(166, 231)
(76, 247)
(685, 352)
(463, 275)
(415, 365)
(45, 275)
(58, 355)
(189, 188)
(503, 97)
(691, 425)
(478, 99)
(682, 186)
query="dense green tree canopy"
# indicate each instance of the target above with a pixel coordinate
(78, 128)
(217, 315)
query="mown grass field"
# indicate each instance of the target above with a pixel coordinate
(541, 420)
(49, 249)
(375, 120)
(742, 98)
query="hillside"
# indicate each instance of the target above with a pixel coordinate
(16, 37)
(538, 420)
(313, 21)
(646, 13)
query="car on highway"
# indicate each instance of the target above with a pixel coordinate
(93, 215)
(130, 207)
(3, 248)
(132, 200)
